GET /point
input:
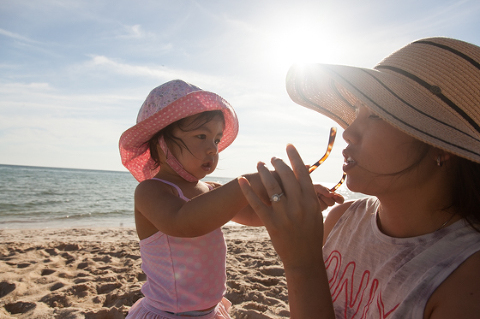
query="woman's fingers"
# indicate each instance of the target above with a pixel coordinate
(255, 202)
(299, 168)
(274, 190)
(249, 194)
(287, 177)
(295, 221)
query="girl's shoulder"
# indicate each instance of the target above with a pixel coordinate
(160, 189)
(154, 187)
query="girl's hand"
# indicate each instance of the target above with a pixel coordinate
(295, 222)
(326, 197)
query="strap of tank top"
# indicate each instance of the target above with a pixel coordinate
(180, 193)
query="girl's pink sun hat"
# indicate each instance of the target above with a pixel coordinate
(165, 105)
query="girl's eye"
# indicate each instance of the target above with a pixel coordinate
(201, 136)
(217, 141)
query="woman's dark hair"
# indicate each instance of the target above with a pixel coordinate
(199, 120)
(465, 187)
(466, 190)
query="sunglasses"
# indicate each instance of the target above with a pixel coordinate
(331, 139)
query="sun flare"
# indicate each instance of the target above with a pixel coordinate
(301, 43)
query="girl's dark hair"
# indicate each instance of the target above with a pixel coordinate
(198, 121)
(466, 190)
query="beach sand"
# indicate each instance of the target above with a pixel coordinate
(95, 273)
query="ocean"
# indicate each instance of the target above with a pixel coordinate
(44, 197)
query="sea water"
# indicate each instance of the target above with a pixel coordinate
(44, 197)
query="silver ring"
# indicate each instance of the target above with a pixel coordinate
(276, 197)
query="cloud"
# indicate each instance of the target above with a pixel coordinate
(17, 36)
(136, 32)
(159, 73)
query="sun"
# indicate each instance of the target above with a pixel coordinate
(301, 43)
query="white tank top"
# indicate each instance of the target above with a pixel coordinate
(372, 275)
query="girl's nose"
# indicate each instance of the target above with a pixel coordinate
(213, 148)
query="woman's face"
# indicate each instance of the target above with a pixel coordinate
(380, 158)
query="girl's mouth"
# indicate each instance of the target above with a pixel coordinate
(207, 166)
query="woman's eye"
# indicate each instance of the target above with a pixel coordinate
(374, 116)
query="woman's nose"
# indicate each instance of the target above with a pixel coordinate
(350, 134)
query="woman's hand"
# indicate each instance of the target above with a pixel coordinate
(295, 225)
(295, 221)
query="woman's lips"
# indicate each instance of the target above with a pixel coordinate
(349, 162)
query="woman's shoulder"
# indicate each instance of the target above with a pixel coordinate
(337, 212)
(457, 296)
(333, 217)
(359, 205)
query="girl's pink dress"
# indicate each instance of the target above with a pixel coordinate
(183, 275)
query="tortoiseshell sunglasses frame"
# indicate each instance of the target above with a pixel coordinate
(331, 140)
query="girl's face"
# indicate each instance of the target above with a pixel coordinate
(200, 157)
(380, 158)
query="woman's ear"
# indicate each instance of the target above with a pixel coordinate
(442, 157)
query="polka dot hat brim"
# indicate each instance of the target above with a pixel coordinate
(134, 149)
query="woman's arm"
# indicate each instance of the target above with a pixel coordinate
(295, 225)
(459, 295)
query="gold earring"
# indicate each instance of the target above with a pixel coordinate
(439, 161)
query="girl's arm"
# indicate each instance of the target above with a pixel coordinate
(168, 213)
(246, 216)
(295, 225)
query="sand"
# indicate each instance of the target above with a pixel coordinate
(95, 273)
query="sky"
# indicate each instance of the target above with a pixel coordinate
(73, 74)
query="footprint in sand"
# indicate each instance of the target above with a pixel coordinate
(47, 272)
(6, 288)
(19, 307)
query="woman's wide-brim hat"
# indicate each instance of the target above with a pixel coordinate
(429, 89)
(165, 105)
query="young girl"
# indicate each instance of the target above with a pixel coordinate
(179, 132)
(412, 126)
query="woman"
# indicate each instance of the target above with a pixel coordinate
(412, 126)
